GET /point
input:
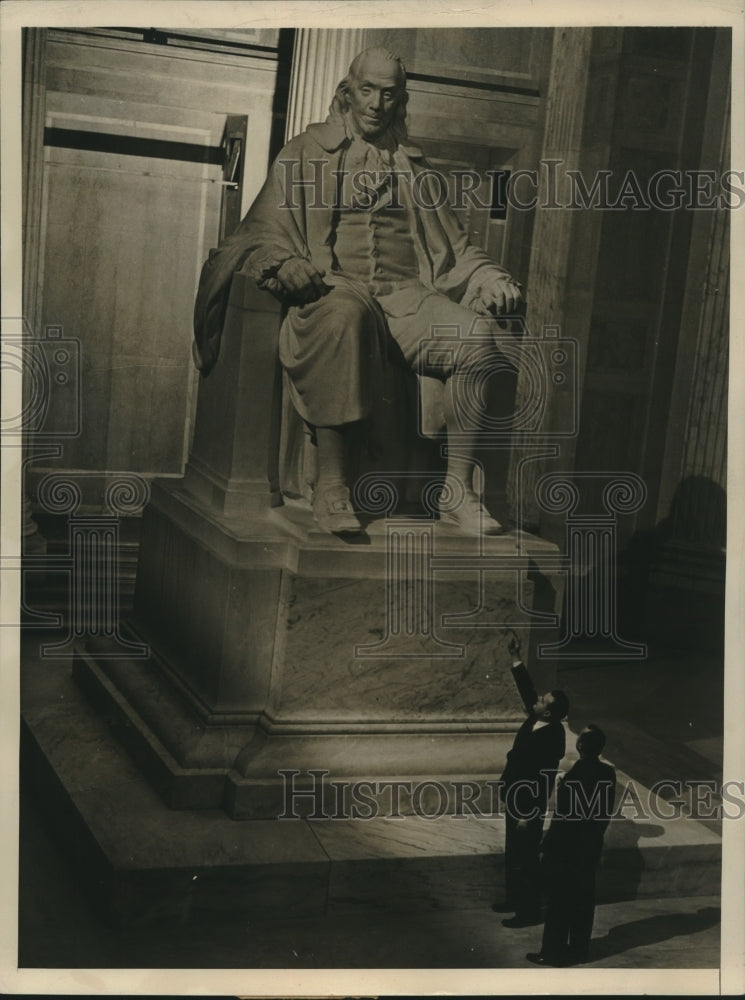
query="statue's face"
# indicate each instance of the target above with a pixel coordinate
(374, 93)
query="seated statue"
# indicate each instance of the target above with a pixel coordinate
(351, 233)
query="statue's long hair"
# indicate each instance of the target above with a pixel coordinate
(340, 103)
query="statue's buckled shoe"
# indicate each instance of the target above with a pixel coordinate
(472, 518)
(333, 511)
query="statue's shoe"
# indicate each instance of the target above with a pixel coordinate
(471, 518)
(333, 511)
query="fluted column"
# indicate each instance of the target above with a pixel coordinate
(698, 509)
(685, 596)
(578, 124)
(320, 60)
(34, 112)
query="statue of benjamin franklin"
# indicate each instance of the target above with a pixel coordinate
(351, 232)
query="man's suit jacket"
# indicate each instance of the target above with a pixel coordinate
(584, 803)
(534, 756)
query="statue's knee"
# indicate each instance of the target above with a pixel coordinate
(351, 319)
(347, 309)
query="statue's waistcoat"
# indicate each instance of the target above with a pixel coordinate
(375, 245)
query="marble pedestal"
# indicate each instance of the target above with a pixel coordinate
(275, 647)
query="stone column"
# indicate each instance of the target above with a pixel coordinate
(321, 59)
(34, 111)
(685, 598)
(577, 133)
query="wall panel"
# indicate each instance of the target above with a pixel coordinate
(131, 207)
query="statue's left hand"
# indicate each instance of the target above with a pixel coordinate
(501, 295)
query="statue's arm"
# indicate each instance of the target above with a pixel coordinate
(265, 239)
(473, 279)
(490, 288)
(273, 230)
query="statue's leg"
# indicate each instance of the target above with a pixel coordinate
(465, 410)
(332, 507)
(453, 344)
(332, 352)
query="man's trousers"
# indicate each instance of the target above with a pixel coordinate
(570, 888)
(522, 866)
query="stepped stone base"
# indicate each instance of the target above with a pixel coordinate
(274, 647)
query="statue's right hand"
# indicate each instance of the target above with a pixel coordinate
(301, 280)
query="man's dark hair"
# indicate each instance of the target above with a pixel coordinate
(593, 740)
(559, 707)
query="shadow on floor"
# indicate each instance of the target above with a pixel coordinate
(652, 930)
(623, 865)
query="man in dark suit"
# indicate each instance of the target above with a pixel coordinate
(571, 853)
(526, 785)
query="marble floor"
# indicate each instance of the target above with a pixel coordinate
(59, 928)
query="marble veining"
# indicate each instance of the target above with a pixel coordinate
(343, 657)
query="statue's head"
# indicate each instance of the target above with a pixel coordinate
(374, 94)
